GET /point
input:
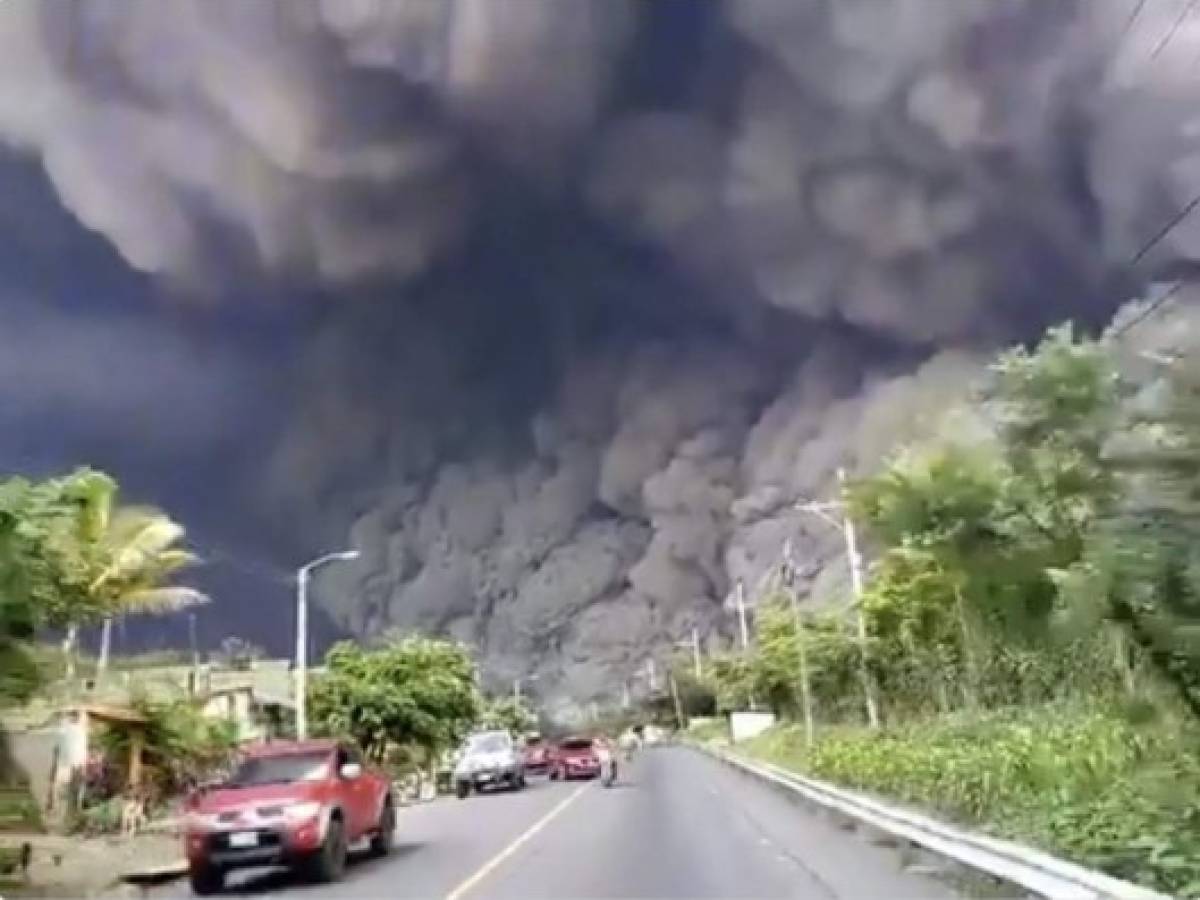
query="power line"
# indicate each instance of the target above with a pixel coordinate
(215, 554)
(1150, 309)
(1161, 235)
(1165, 230)
(1174, 28)
(1133, 17)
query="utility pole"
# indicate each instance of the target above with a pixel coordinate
(651, 675)
(517, 686)
(625, 695)
(105, 643)
(696, 654)
(856, 582)
(195, 648)
(678, 703)
(854, 560)
(302, 577)
(801, 651)
(739, 594)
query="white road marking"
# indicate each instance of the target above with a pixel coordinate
(492, 864)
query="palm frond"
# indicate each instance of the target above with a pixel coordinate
(161, 600)
(137, 545)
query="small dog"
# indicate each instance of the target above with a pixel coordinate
(133, 815)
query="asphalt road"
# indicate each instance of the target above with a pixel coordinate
(677, 825)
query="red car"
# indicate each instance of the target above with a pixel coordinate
(296, 804)
(576, 757)
(537, 755)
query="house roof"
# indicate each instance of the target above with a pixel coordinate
(121, 715)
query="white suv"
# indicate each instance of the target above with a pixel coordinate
(489, 759)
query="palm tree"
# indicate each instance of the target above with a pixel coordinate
(141, 555)
(133, 553)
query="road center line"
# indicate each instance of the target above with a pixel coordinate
(492, 864)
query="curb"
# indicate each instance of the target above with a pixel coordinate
(149, 878)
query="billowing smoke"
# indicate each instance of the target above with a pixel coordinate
(611, 284)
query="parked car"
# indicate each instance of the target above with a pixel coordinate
(296, 804)
(537, 755)
(576, 757)
(489, 759)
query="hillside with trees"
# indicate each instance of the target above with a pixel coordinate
(1031, 612)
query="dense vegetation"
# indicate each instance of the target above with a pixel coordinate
(70, 555)
(1032, 618)
(407, 700)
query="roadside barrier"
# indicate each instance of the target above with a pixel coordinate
(1037, 873)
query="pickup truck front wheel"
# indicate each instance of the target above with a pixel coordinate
(206, 881)
(385, 831)
(328, 863)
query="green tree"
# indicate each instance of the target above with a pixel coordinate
(916, 623)
(509, 714)
(1140, 573)
(940, 513)
(129, 555)
(414, 691)
(1056, 410)
(19, 673)
(181, 744)
(44, 564)
(732, 677)
(696, 694)
(71, 555)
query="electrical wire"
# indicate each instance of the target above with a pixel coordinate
(1174, 28)
(1150, 309)
(1133, 17)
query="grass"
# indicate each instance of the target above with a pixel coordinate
(1087, 784)
(709, 730)
(18, 811)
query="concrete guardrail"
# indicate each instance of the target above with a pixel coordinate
(1037, 873)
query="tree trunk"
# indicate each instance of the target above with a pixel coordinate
(1123, 664)
(70, 640)
(105, 644)
(971, 663)
(1161, 659)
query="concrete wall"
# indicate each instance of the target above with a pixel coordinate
(745, 725)
(33, 753)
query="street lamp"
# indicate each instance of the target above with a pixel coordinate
(302, 577)
(846, 527)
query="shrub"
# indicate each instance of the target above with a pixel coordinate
(1085, 784)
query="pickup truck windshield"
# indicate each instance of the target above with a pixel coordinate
(489, 743)
(283, 769)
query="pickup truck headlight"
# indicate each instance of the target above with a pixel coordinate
(298, 813)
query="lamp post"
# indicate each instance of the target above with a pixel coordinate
(854, 559)
(302, 577)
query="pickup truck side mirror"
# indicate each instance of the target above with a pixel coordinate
(350, 771)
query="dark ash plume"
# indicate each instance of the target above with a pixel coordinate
(620, 279)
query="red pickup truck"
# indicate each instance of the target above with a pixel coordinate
(576, 757)
(296, 804)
